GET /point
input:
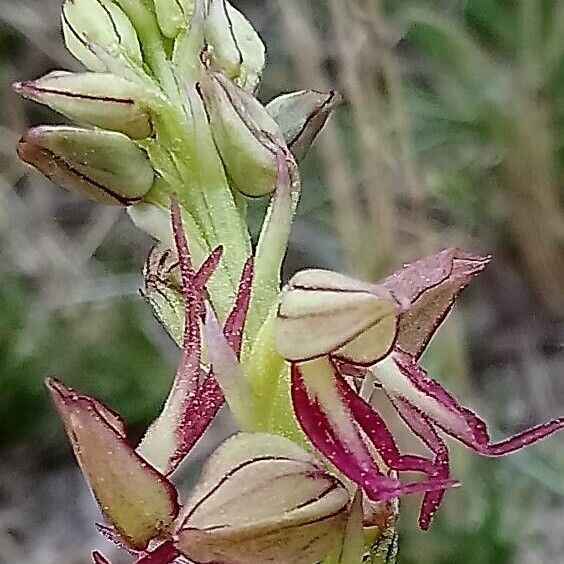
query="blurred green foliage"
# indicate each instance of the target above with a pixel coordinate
(96, 348)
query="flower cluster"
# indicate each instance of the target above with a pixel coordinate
(379, 331)
(171, 131)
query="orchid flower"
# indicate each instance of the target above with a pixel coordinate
(330, 326)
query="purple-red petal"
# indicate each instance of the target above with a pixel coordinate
(428, 289)
(423, 428)
(356, 465)
(165, 553)
(379, 434)
(207, 268)
(235, 322)
(460, 422)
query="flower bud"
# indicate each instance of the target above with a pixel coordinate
(103, 166)
(134, 497)
(245, 135)
(301, 116)
(173, 15)
(261, 499)
(326, 313)
(103, 100)
(88, 24)
(234, 45)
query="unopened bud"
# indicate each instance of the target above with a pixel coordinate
(103, 166)
(173, 15)
(234, 46)
(103, 100)
(326, 313)
(92, 24)
(245, 134)
(261, 499)
(138, 501)
(301, 116)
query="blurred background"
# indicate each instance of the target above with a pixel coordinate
(452, 133)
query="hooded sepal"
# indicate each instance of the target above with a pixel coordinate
(246, 137)
(102, 100)
(262, 498)
(103, 166)
(301, 116)
(94, 26)
(327, 313)
(135, 498)
(234, 46)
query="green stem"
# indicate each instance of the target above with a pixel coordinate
(142, 16)
(272, 247)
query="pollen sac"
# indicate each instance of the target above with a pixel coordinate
(301, 116)
(326, 313)
(102, 100)
(246, 136)
(92, 27)
(262, 498)
(103, 166)
(234, 46)
(173, 15)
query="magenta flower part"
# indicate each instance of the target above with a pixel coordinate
(380, 436)
(427, 289)
(422, 427)
(356, 462)
(165, 553)
(333, 307)
(460, 422)
(196, 396)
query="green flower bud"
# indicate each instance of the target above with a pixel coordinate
(301, 116)
(173, 15)
(91, 25)
(103, 166)
(102, 100)
(261, 499)
(245, 135)
(326, 313)
(234, 45)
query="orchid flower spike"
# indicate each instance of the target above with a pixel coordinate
(330, 326)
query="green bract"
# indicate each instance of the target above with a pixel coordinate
(301, 115)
